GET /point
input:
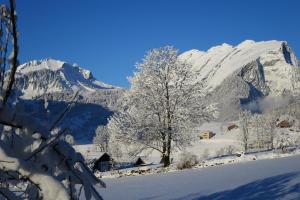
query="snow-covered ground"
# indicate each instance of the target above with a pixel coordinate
(261, 179)
(223, 139)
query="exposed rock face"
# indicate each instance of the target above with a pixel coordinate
(236, 76)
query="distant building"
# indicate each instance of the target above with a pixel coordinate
(205, 135)
(103, 163)
(94, 157)
(232, 126)
(284, 124)
(139, 162)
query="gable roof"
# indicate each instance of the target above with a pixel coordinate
(89, 151)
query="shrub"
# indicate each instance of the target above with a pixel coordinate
(230, 150)
(187, 160)
(205, 154)
(220, 152)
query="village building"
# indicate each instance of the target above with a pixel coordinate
(284, 124)
(205, 135)
(139, 162)
(103, 163)
(232, 126)
(92, 154)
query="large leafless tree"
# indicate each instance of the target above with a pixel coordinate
(162, 105)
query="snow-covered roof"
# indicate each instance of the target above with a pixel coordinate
(89, 151)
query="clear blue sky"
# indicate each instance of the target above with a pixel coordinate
(109, 36)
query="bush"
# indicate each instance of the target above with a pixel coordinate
(230, 150)
(283, 141)
(205, 154)
(187, 160)
(220, 152)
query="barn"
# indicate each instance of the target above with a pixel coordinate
(103, 163)
(94, 157)
(232, 126)
(139, 162)
(284, 124)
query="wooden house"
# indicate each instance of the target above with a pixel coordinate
(94, 157)
(103, 163)
(232, 126)
(284, 124)
(139, 162)
(206, 135)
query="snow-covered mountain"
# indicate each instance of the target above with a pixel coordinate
(237, 75)
(268, 66)
(50, 76)
(234, 76)
(46, 87)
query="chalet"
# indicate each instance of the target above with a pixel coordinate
(94, 157)
(284, 124)
(232, 126)
(103, 163)
(139, 162)
(206, 135)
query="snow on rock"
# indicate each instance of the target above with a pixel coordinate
(36, 78)
(218, 63)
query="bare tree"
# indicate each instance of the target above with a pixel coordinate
(283, 141)
(164, 100)
(258, 123)
(101, 138)
(244, 119)
(269, 127)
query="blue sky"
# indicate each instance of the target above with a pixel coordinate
(109, 36)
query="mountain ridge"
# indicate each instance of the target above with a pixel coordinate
(234, 76)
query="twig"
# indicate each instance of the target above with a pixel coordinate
(48, 143)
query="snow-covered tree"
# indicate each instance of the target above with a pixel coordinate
(70, 139)
(230, 150)
(269, 126)
(101, 138)
(283, 141)
(258, 123)
(163, 103)
(35, 161)
(244, 119)
(187, 160)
